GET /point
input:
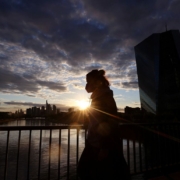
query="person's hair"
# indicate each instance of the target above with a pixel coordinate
(98, 75)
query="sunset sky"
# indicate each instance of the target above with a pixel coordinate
(48, 46)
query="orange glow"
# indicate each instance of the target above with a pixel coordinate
(82, 104)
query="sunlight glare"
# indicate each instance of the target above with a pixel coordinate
(82, 104)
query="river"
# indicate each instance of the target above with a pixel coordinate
(34, 154)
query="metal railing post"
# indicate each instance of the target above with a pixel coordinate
(68, 154)
(134, 155)
(17, 165)
(49, 167)
(77, 151)
(29, 153)
(128, 154)
(59, 154)
(140, 156)
(162, 135)
(6, 158)
(40, 144)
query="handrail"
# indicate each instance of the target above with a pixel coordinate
(15, 128)
(138, 150)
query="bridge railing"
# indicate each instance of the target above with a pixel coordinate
(146, 147)
(151, 147)
(6, 165)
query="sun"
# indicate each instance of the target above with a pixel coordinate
(82, 104)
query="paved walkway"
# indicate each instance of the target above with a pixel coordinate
(171, 176)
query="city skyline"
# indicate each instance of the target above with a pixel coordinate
(48, 47)
(49, 109)
(40, 109)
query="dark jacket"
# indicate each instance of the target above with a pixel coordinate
(103, 122)
(103, 137)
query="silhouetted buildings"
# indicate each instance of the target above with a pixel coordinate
(42, 110)
(158, 69)
(54, 109)
(71, 110)
(37, 111)
(28, 111)
(19, 113)
(4, 115)
(131, 110)
(48, 108)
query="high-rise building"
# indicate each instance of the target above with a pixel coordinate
(38, 111)
(34, 111)
(158, 69)
(54, 109)
(58, 111)
(29, 111)
(48, 108)
(46, 105)
(42, 110)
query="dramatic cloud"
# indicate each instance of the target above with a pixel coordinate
(126, 85)
(15, 83)
(23, 103)
(78, 86)
(136, 103)
(51, 44)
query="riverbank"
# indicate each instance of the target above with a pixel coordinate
(2, 121)
(53, 121)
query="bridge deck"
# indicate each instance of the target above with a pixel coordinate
(170, 176)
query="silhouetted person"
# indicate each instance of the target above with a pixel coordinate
(102, 158)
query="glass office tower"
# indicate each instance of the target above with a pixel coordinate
(158, 69)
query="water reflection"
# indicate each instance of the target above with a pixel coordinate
(44, 158)
(34, 151)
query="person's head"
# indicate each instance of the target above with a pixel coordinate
(95, 79)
